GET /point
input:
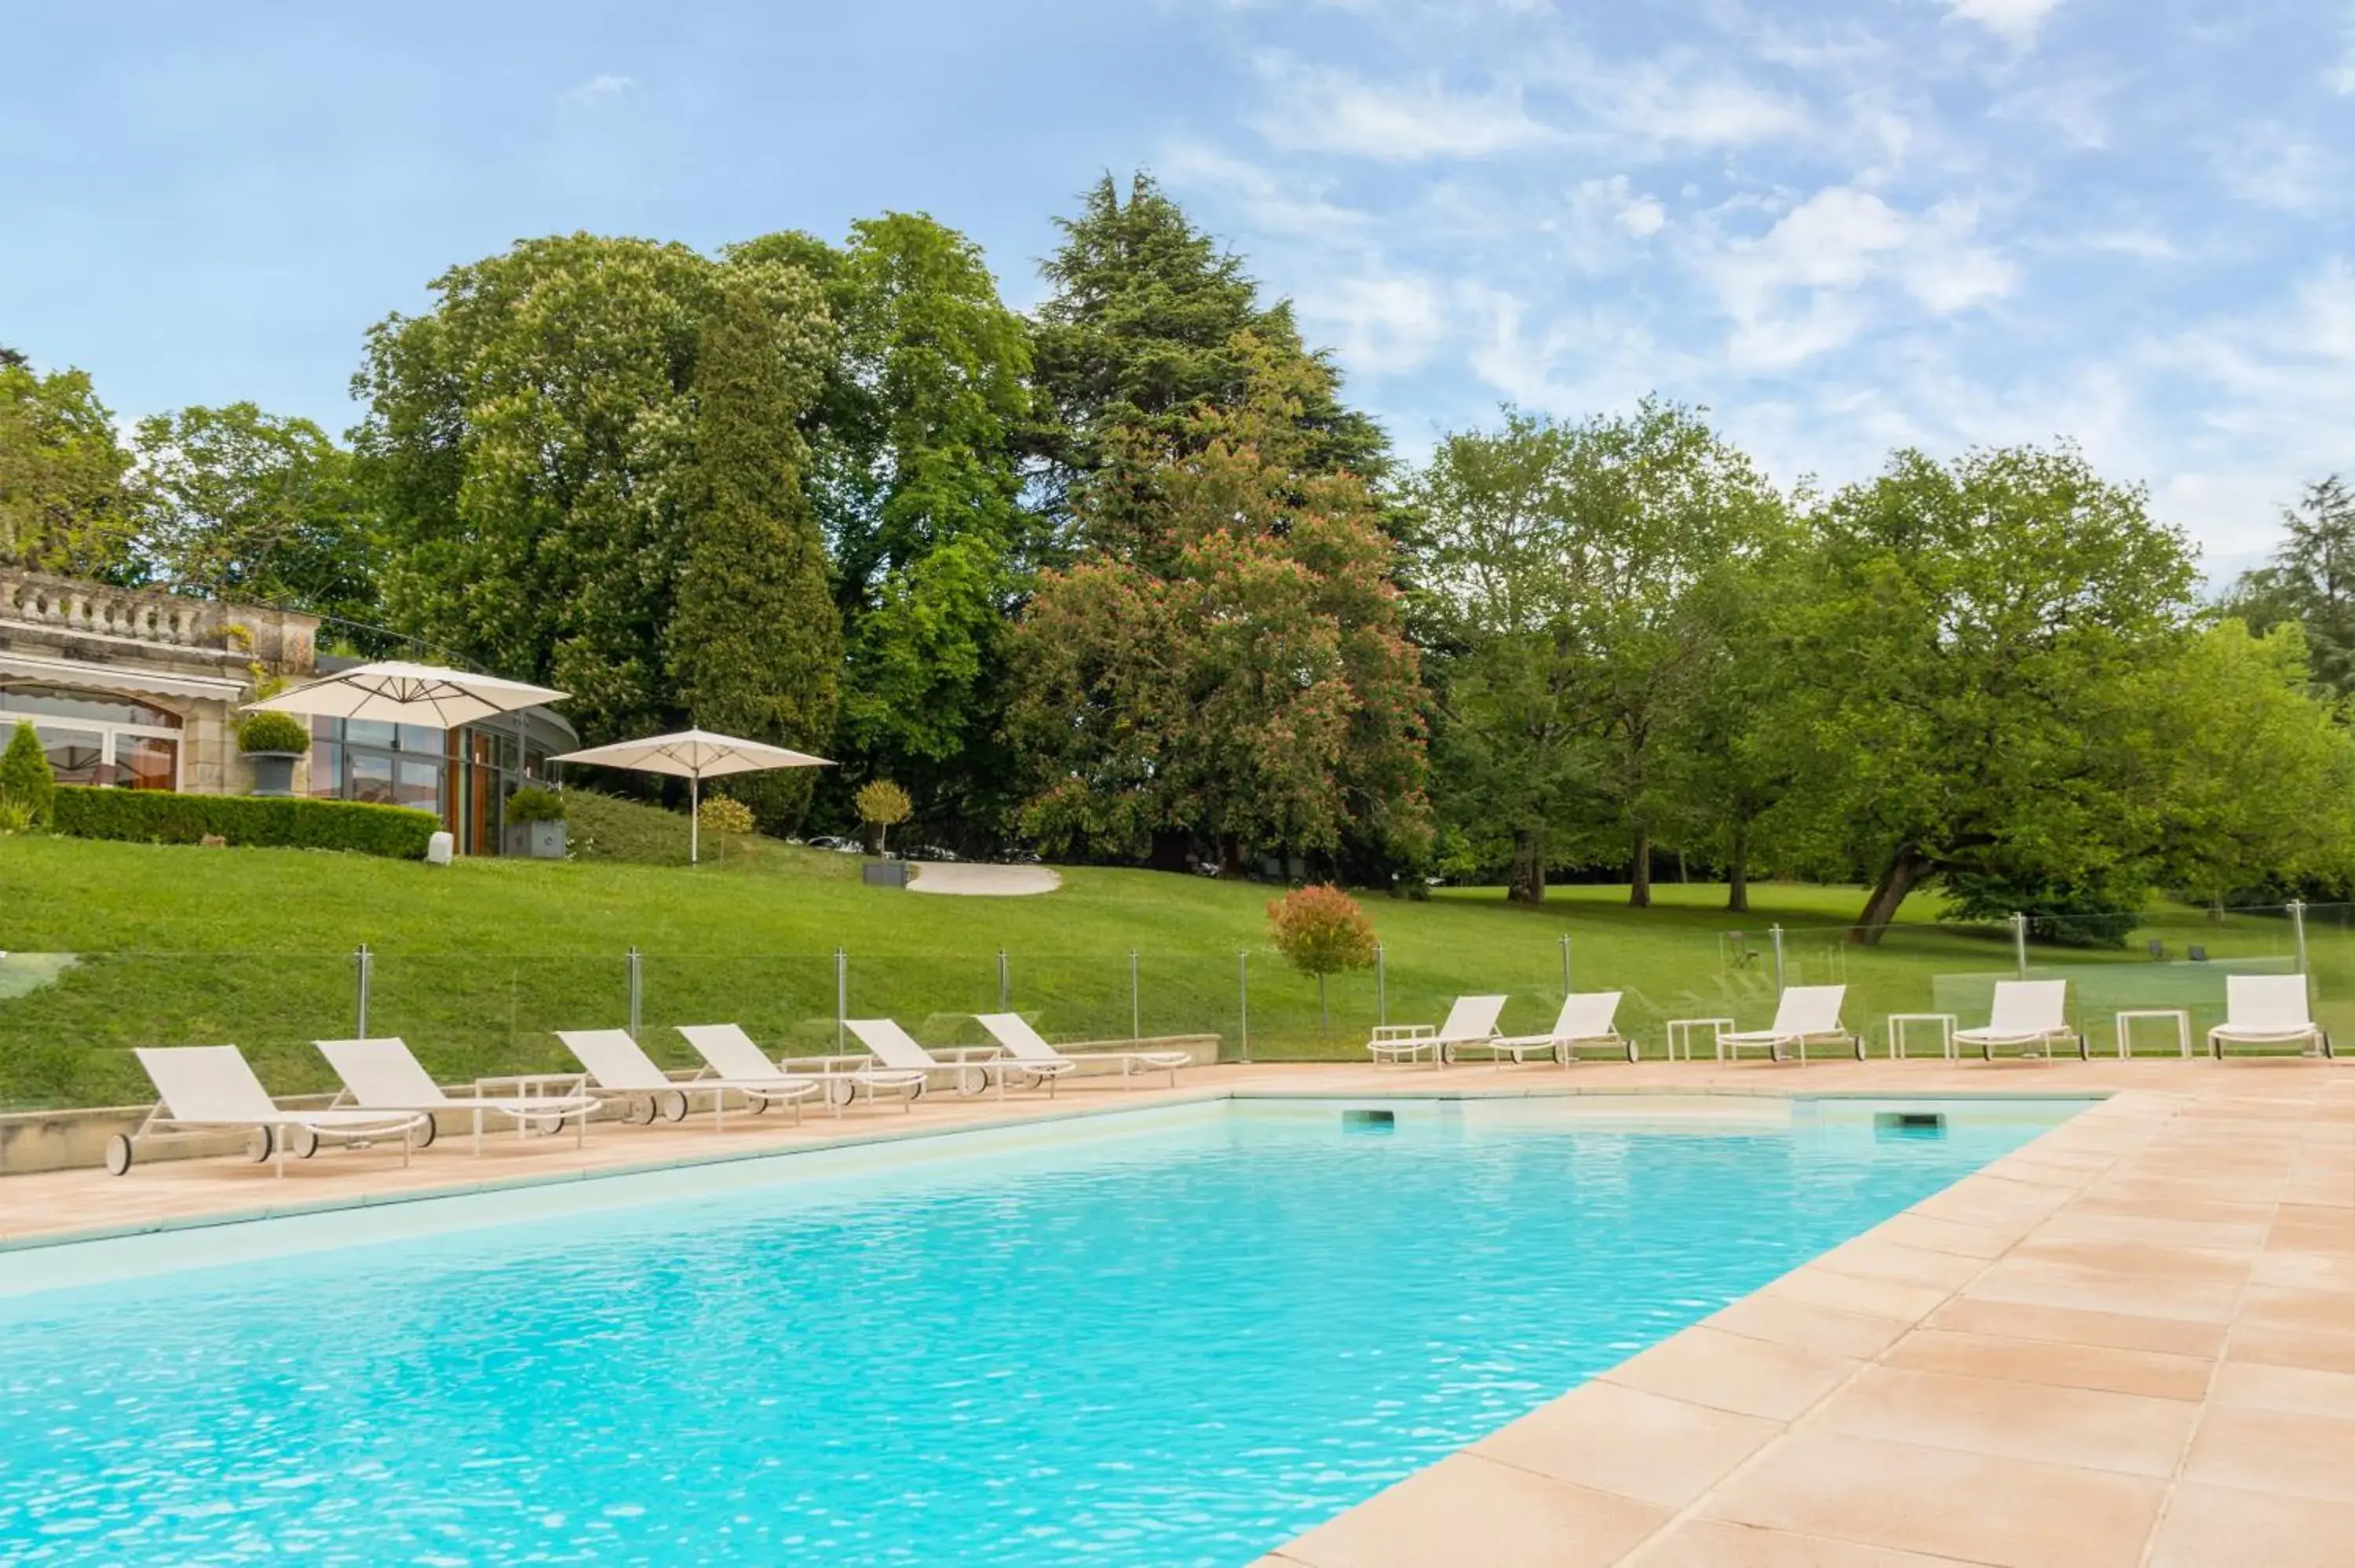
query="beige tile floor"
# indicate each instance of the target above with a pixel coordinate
(2131, 1342)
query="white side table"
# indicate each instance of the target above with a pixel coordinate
(1681, 1031)
(1898, 1020)
(2183, 1027)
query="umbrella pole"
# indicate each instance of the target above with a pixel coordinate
(695, 818)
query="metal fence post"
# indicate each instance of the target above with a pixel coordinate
(841, 994)
(1242, 998)
(2019, 942)
(1776, 933)
(1005, 988)
(361, 962)
(2298, 932)
(1136, 1000)
(636, 993)
(1381, 984)
(1565, 963)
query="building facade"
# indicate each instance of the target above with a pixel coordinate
(135, 689)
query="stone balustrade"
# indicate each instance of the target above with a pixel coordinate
(76, 606)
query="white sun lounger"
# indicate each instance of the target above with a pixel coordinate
(2026, 1014)
(1471, 1021)
(1587, 1018)
(1023, 1045)
(1805, 1014)
(383, 1074)
(977, 1067)
(211, 1088)
(617, 1067)
(2267, 1010)
(733, 1055)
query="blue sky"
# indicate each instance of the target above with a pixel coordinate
(1841, 226)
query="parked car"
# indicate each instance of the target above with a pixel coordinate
(928, 852)
(839, 846)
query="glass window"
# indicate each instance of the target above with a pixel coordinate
(59, 703)
(146, 761)
(75, 755)
(326, 769)
(421, 738)
(369, 732)
(420, 785)
(371, 778)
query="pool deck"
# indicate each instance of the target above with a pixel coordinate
(2130, 1342)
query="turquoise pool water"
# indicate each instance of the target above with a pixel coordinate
(1176, 1337)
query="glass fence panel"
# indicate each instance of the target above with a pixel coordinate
(68, 1021)
(784, 1001)
(477, 1015)
(1072, 999)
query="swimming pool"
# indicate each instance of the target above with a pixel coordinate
(1171, 1336)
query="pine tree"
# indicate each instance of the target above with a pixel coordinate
(756, 646)
(26, 778)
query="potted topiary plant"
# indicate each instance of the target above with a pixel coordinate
(273, 743)
(536, 823)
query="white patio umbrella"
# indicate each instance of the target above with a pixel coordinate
(407, 694)
(693, 754)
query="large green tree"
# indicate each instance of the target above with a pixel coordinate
(1566, 566)
(530, 443)
(1146, 323)
(755, 645)
(918, 478)
(243, 503)
(1966, 677)
(1229, 664)
(2311, 581)
(64, 503)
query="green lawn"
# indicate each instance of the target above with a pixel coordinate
(475, 963)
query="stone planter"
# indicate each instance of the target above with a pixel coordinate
(536, 840)
(274, 771)
(884, 872)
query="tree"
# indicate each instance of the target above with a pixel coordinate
(1230, 660)
(64, 505)
(882, 805)
(918, 480)
(27, 780)
(531, 445)
(1146, 325)
(1320, 931)
(1566, 568)
(1968, 677)
(2311, 581)
(240, 503)
(755, 645)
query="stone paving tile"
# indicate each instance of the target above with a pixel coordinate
(2283, 1306)
(2317, 1349)
(1810, 1285)
(2272, 1451)
(2060, 1365)
(1875, 1256)
(1983, 1241)
(1714, 1543)
(2039, 1282)
(1708, 1366)
(1471, 1509)
(1848, 1334)
(1630, 1443)
(1944, 1503)
(2297, 1391)
(2218, 1527)
(1979, 1414)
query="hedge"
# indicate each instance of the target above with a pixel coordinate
(156, 816)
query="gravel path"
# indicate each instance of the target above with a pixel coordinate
(982, 881)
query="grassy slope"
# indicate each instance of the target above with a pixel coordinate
(475, 963)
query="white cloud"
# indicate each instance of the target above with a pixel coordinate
(1606, 223)
(1321, 109)
(2340, 78)
(2271, 165)
(1380, 324)
(598, 87)
(2016, 22)
(1677, 100)
(1795, 291)
(1267, 201)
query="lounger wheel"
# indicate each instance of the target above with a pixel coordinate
(302, 1141)
(425, 1134)
(637, 1109)
(672, 1106)
(264, 1146)
(118, 1154)
(841, 1092)
(755, 1105)
(972, 1080)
